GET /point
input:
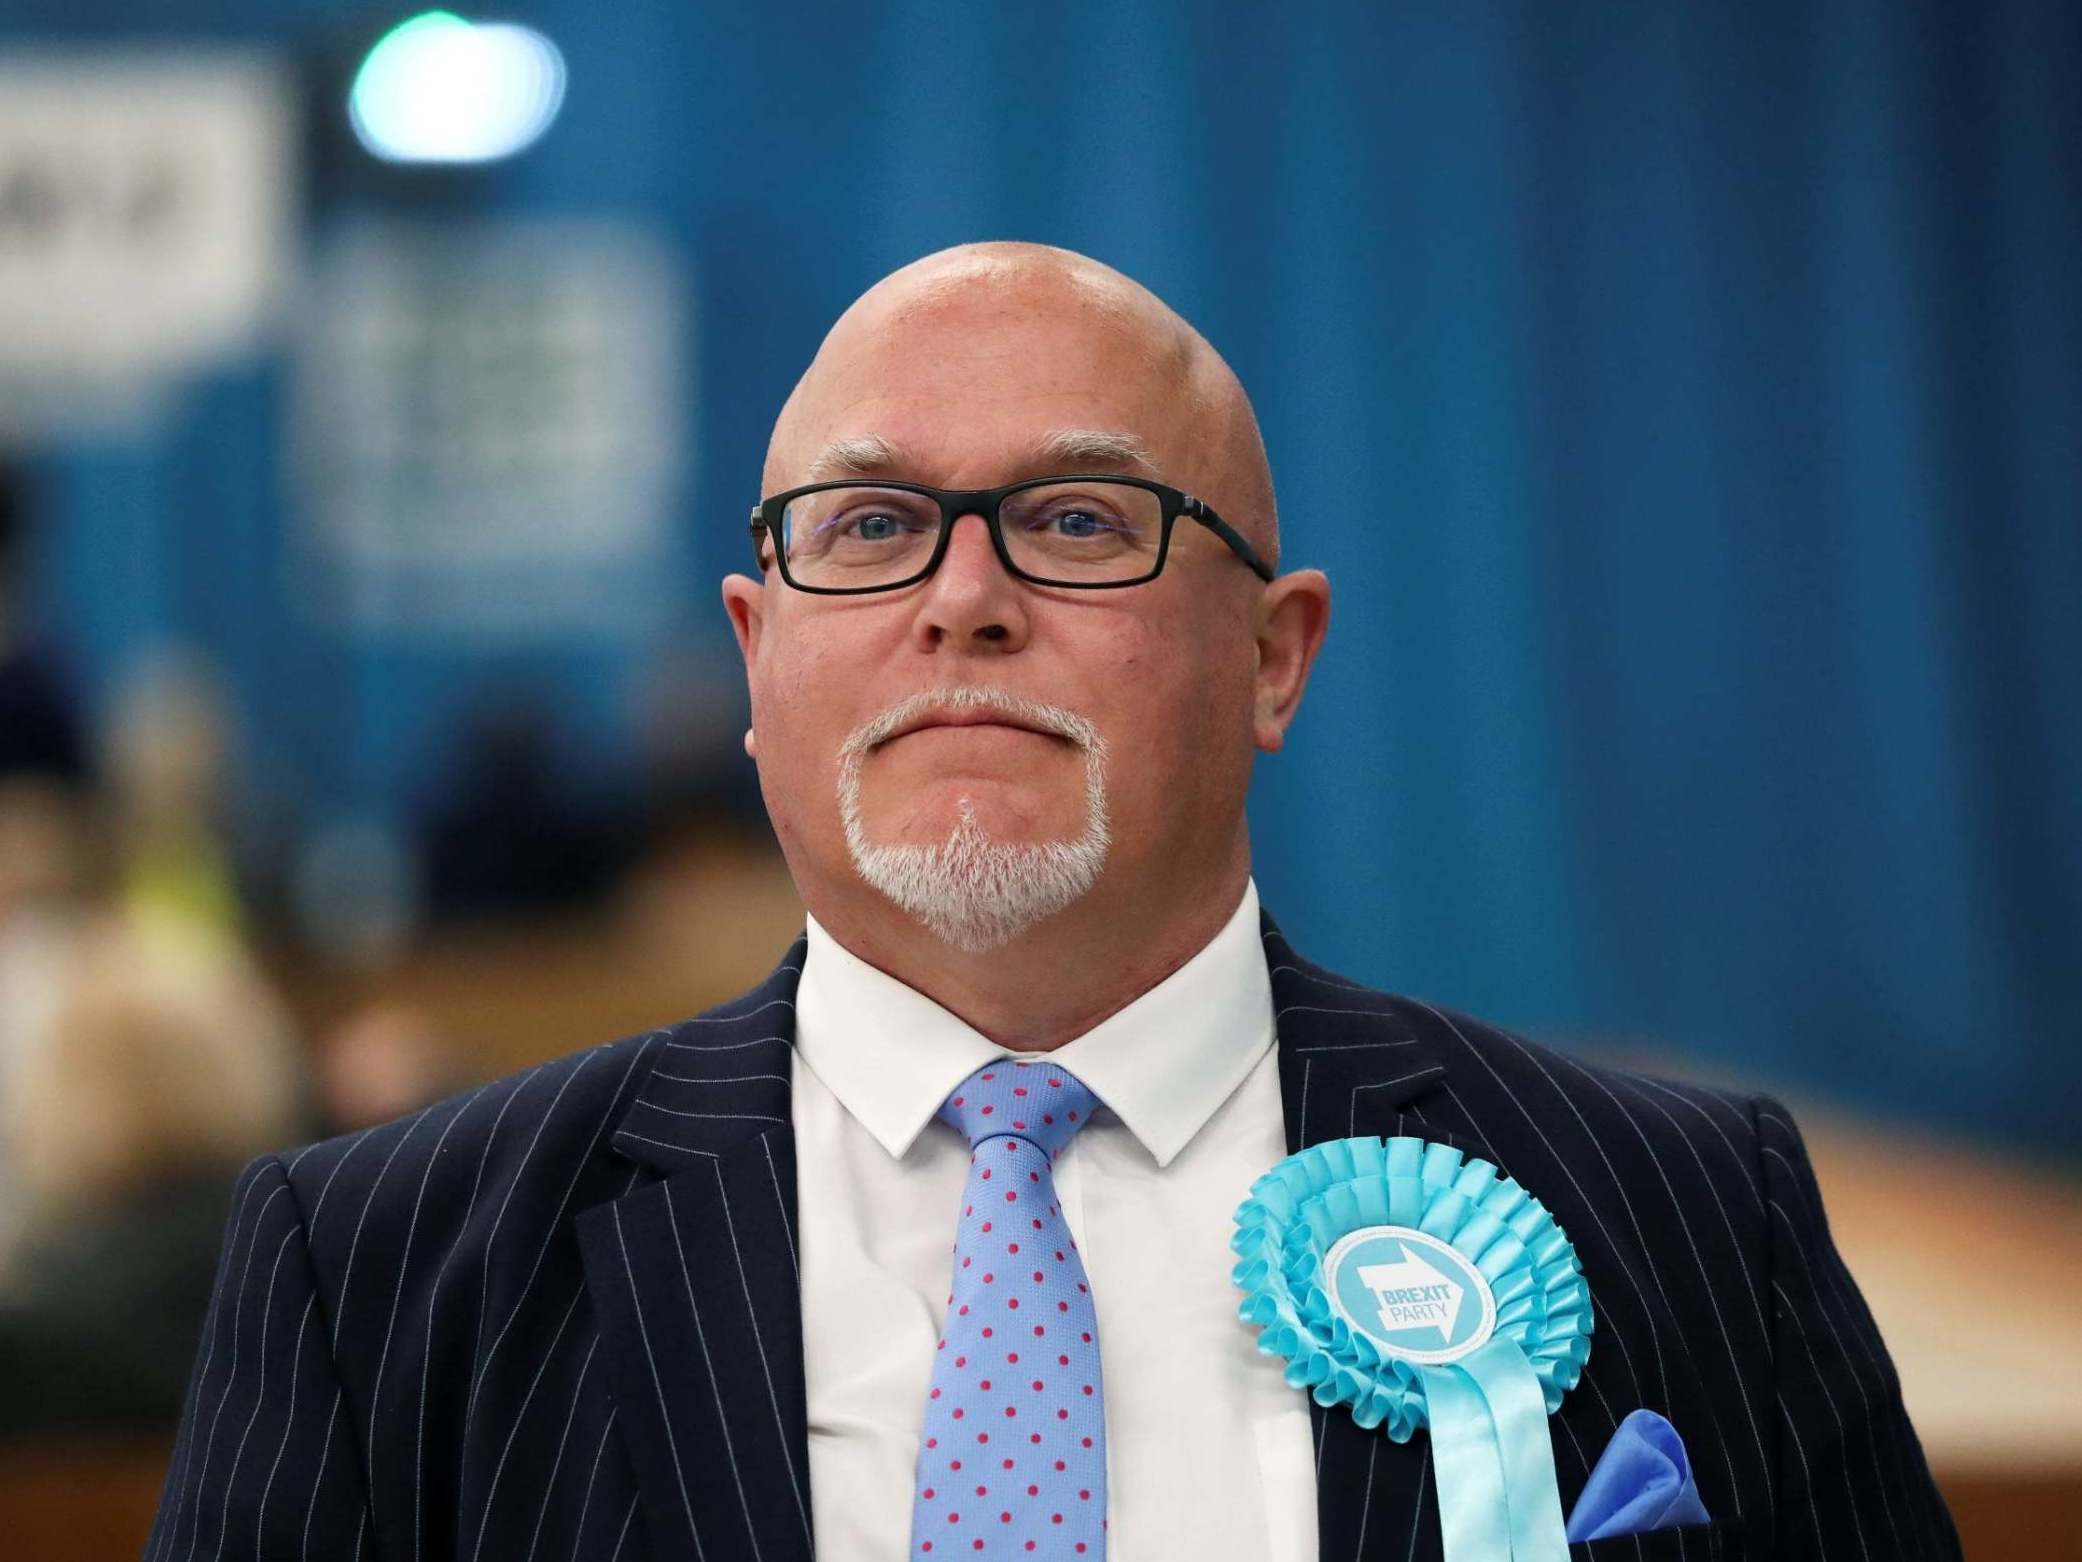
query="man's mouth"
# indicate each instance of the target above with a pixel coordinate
(968, 718)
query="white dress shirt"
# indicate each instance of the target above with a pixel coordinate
(1208, 1451)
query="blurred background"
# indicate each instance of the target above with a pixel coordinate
(1686, 403)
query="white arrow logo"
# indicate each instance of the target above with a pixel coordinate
(1413, 1295)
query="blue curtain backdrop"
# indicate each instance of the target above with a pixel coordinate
(1686, 402)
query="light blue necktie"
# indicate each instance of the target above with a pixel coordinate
(1012, 1462)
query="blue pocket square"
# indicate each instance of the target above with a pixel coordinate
(1642, 1482)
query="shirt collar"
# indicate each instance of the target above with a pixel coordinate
(1162, 1064)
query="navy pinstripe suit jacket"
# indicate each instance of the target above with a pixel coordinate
(558, 1318)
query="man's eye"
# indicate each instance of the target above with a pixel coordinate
(1080, 523)
(873, 526)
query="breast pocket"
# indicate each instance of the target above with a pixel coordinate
(1680, 1543)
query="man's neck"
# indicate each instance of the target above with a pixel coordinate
(1060, 978)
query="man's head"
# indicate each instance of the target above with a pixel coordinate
(1112, 774)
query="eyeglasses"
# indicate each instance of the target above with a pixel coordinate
(1089, 533)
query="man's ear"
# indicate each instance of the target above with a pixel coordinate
(1291, 619)
(743, 603)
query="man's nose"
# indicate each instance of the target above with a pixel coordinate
(972, 600)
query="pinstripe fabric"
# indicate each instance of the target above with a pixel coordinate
(558, 1317)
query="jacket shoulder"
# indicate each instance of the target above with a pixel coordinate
(1514, 1087)
(495, 1139)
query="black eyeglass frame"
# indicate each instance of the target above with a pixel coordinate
(955, 503)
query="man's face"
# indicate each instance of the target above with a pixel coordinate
(967, 390)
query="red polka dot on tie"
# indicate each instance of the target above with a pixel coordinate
(1048, 1117)
(1010, 1195)
(985, 1386)
(1035, 1438)
(990, 1076)
(954, 1518)
(957, 1100)
(1087, 1442)
(1037, 1385)
(1087, 1496)
(986, 1227)
(1060, 1465)
(987, 1110)
(1012, 1356)
(986, 1332)
(1008, 1464)
(928, 1491)
(1012, 1301)
(1019, 1090)
(957, 1411)
(1010, 1247)
(986, 1174)
(1087, 1388)
(1037, 1274)
(1056, 1518)
(1062, 1361)
(1060, 1415)
(1010, 1411)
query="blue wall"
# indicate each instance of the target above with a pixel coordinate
(1686, 402)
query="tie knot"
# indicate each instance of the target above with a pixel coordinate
(1035, 1101)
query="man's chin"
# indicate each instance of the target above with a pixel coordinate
(978, 815)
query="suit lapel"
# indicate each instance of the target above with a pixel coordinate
(1350, 1065)
(693, 1278)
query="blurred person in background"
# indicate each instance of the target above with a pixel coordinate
(159, 1061)
(143, 1056)
(692, 1294)
(380, 1062)
(46, 855)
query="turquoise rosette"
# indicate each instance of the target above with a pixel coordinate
(1496, 1376)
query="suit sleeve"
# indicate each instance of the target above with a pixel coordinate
(265, 1464)
(1852, 1480)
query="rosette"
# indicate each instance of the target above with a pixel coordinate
(1424, 1289)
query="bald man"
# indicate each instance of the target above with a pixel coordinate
(923, 1246)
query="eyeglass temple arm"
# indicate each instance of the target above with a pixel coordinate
(1229, 534)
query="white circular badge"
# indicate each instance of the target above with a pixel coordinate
(1411, 1294)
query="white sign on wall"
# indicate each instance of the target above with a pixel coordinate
(145, 215)
(488, 421)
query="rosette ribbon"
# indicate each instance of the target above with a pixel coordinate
(1488, 1388)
